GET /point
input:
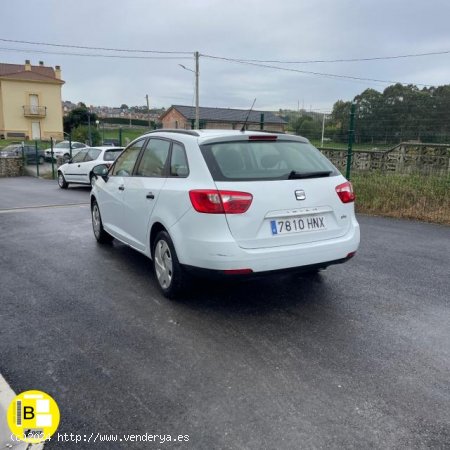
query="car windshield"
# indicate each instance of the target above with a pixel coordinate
(63, 144)
(111, 155)
(265, 160)
(11, 148)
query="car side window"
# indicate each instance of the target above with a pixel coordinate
(79, 157)
(92, 154)
(77, 145)
(154, 159)
(178, 162)
(125, 162)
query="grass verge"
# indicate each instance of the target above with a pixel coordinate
(420, 197)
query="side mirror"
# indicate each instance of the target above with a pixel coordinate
(101, 171)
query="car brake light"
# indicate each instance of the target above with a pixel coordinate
(258, 137)
(345, 192)
(220, 202)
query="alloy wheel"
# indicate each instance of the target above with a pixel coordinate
(163, 264)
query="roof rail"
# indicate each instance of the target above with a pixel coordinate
(175, 130)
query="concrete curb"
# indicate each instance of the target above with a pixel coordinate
(6, 396)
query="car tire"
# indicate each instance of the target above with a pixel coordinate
(62, 183)
(168, 272)
(102, 236)
(41, 160)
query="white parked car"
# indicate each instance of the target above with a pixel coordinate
(62, 150)
(79, 169)
(225, 202)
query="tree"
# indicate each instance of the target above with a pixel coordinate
(123, 106)
(81, 134)
(78, 116)
(306, 126)
(340, 119)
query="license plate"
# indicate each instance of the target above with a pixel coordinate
(297, 224)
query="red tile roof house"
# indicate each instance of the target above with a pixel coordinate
(178, 116)
(30, 101)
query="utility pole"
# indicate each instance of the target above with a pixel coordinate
(197, 75)
(148, 111)
(197, 109)
(89, 128)
(351, 132)
(323, 128)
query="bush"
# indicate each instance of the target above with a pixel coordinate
(81, 134)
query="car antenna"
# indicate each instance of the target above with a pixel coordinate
(248, 114)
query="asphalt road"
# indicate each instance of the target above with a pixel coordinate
(358, 357)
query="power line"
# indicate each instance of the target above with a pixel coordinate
(93, 48)
(328, 75)
(374, 58)
(97, 55)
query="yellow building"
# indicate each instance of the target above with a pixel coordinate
(30, 101)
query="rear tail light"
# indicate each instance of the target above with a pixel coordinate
(211, 201)
(237, 271)
(345, 192)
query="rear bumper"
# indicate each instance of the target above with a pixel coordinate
(220, 274)
(227, 255)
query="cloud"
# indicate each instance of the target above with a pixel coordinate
(323, 29)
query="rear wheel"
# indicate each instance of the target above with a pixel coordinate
(62, 181)
(168, 271)
(99, 232)
(41, 160)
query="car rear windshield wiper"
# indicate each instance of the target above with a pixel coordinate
(295, 175)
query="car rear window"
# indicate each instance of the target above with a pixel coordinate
(111, 155)
(264, 160)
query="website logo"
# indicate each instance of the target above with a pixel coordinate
(33, 416)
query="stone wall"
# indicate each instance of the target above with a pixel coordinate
(11, 167)
(403, 158)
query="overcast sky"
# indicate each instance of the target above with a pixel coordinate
(287, 30)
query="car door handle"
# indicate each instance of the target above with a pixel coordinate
(121, 187)
(150, 195)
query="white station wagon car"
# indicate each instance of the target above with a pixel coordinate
(225, 202)
(79, 169)
(62, 150)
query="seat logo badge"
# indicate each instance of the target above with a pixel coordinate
(300, 194)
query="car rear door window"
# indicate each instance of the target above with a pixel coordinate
(111, 155)
(178, 161)
(154, 159)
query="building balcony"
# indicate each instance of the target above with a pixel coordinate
(34, 111)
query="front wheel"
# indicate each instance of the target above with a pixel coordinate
(168, 271)
(99, 232)
(63, 184)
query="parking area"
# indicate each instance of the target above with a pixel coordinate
(357, 357)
